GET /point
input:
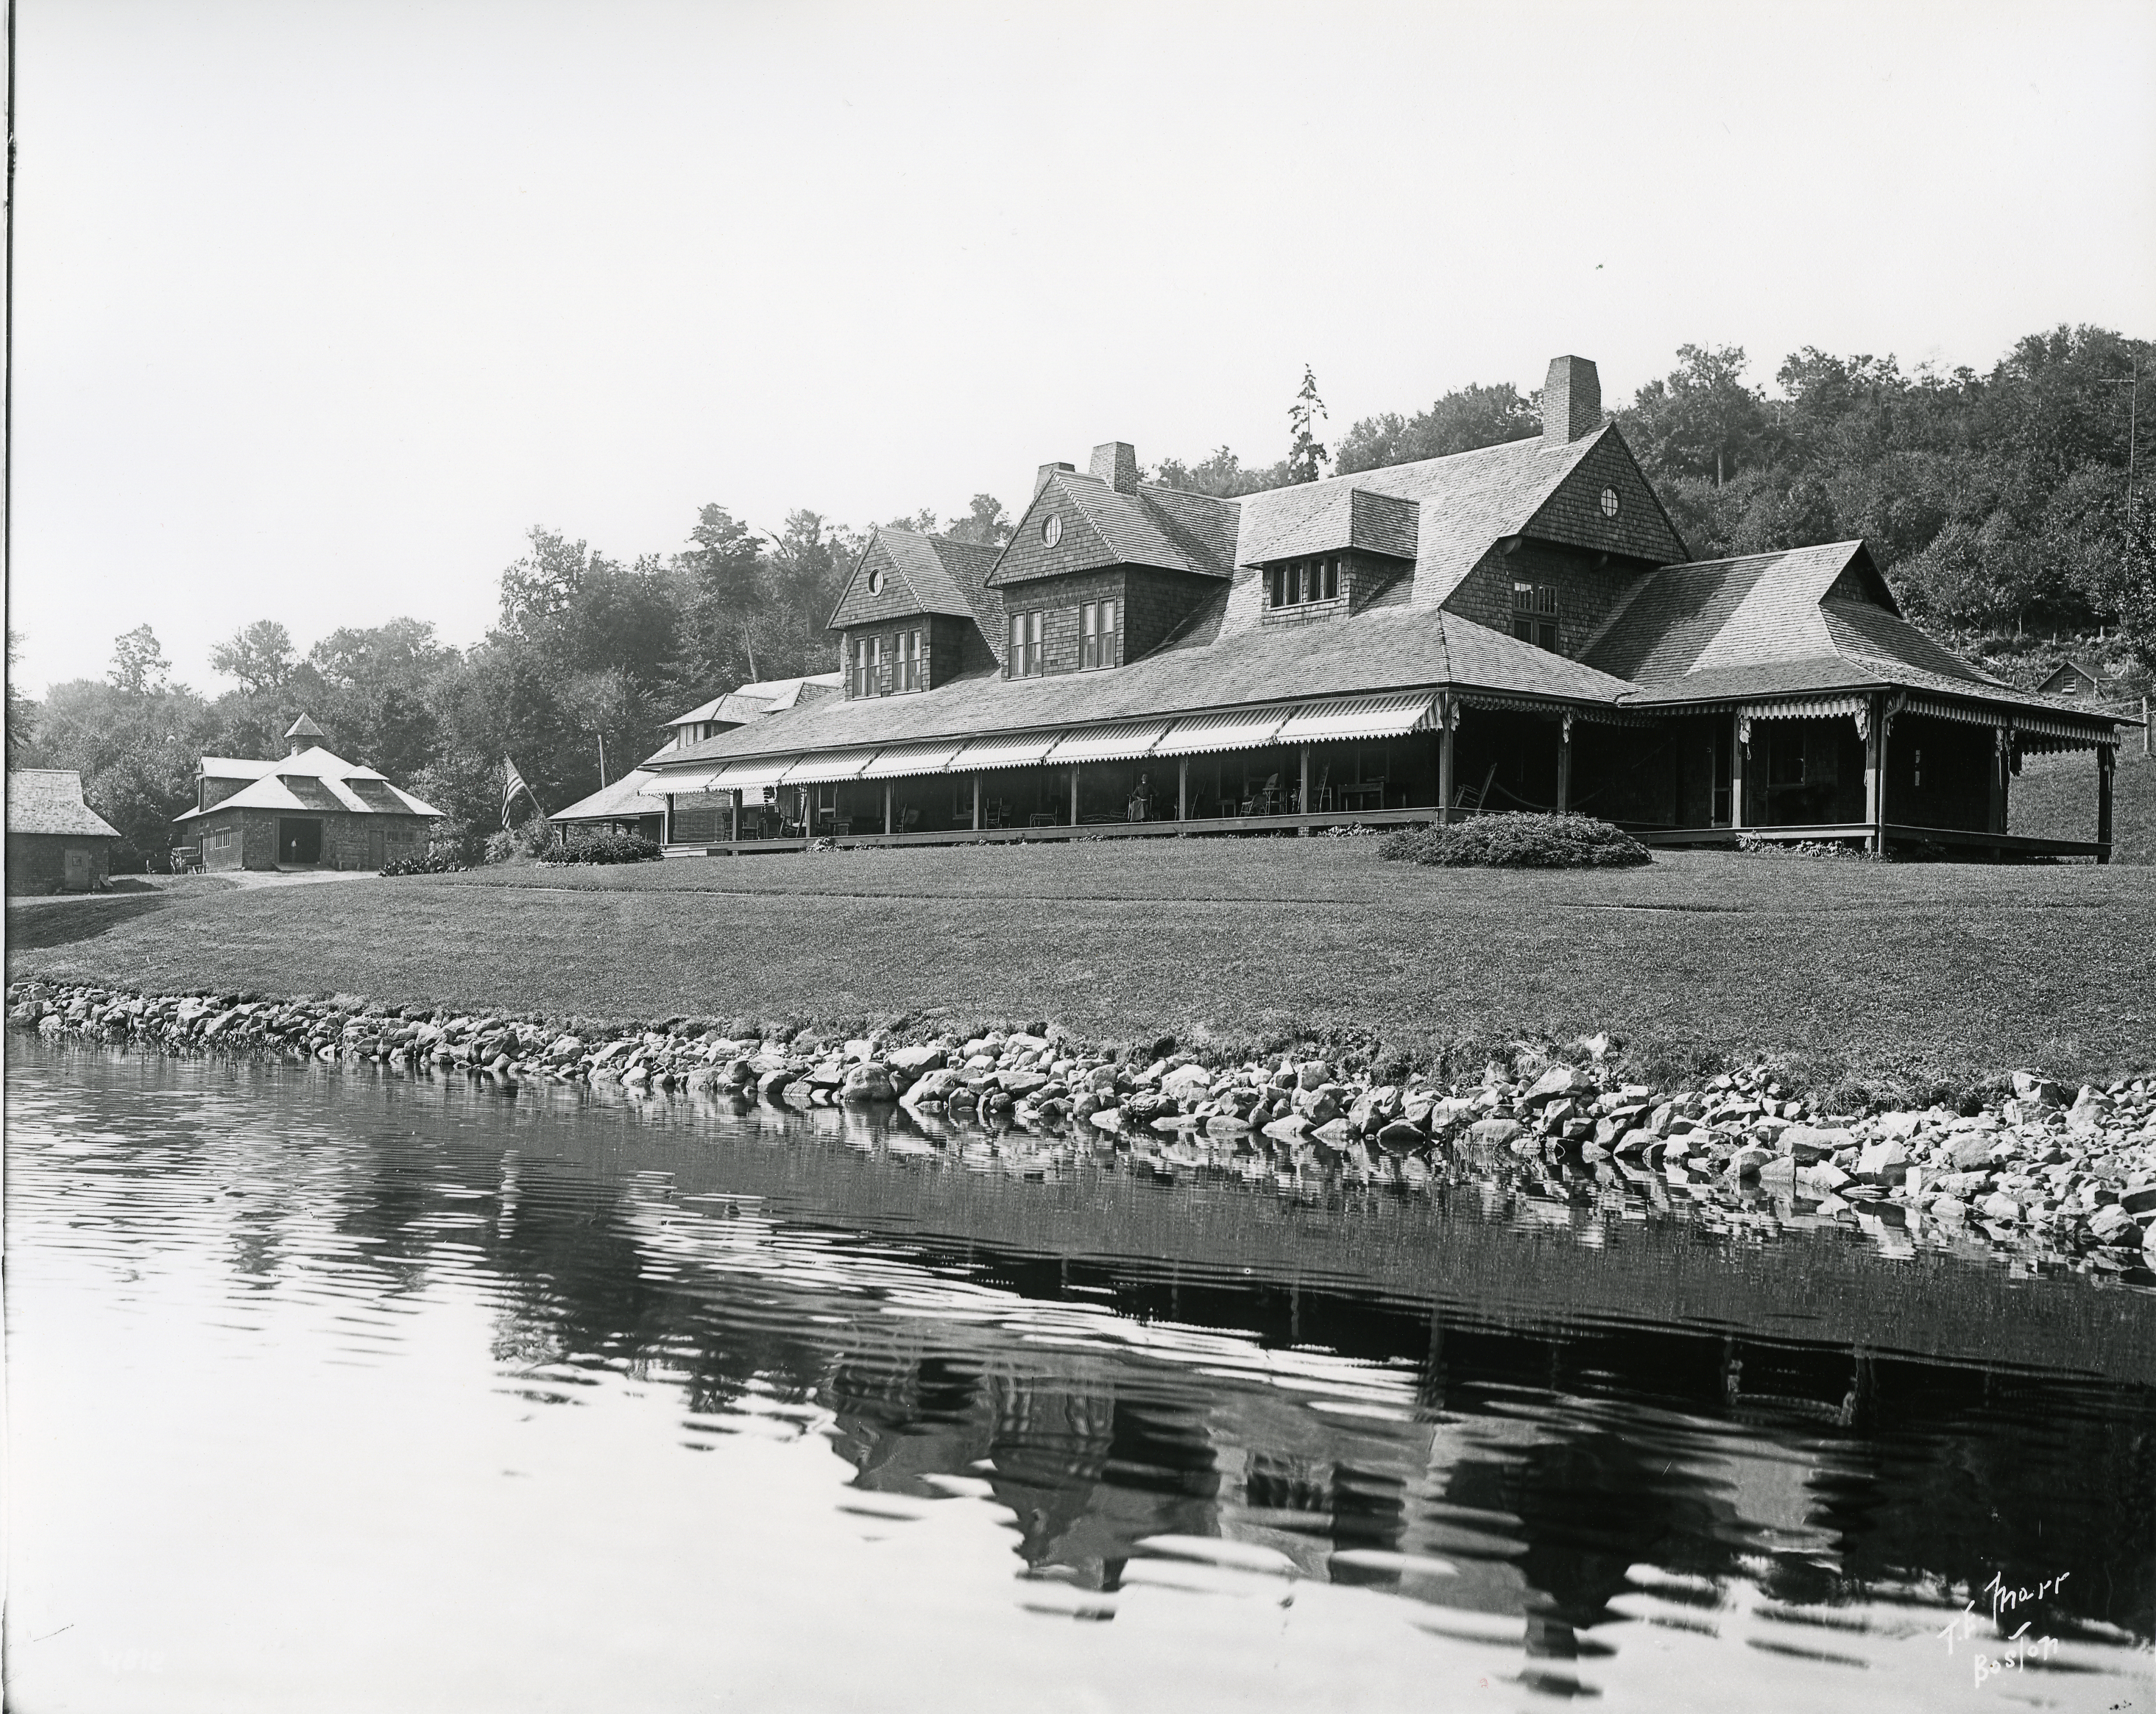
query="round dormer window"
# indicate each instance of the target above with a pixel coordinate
(1051, 529)
(875, 580)
(1610, 502)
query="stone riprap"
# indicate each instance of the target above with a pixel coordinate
(2045, 1174)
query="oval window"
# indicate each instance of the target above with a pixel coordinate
(1610, 502)
(1051, 529)
(875, 580)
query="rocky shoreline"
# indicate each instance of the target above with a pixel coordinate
(2047, 1177)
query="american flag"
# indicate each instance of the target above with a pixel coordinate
(512, 783)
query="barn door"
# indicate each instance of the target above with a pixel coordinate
(77, 870)
(376, 851)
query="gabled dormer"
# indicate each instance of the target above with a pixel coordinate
(1103, 568)
(915, 614)
(1568, 560)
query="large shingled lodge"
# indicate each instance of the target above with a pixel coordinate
(1519, 627)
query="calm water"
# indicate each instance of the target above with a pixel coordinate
(345, 1391)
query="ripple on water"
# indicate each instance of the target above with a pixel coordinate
(1039, 1385)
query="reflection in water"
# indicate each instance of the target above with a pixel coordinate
(1178, 1409)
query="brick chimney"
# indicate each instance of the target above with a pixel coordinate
(1115, 462)
(1041, 475)
(1572, 400)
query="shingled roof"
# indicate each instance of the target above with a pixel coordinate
(620, 801)
(748, 701)
(920, 574)
(314, 780)
(49, 800)
(1165, 528)
(1768, 625)
(1397, 649)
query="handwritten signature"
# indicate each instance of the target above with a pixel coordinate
(2019, 1646)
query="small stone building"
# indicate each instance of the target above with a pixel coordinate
(309, 810)
(56, 842)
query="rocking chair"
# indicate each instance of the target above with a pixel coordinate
(1474, 797)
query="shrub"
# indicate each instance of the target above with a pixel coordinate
(435, 863)
(1818, 850)
(605, 848)
(1513, 841)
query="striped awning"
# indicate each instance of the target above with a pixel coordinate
(1805, 708)
(667, 784)
(752, 772)
(1253, 728)
(1117, 743)
(897, 761)
(829, 765)
(1020, 750)
(1359, 717)
(2026, 721)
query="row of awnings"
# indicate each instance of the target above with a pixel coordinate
(1338, 717)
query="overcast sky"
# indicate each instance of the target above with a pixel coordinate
(321, 306)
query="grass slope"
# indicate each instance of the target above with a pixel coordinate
(1907, 976)
(2055, 798)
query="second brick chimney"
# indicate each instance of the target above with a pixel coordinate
(1115, 462)
(1572, 400)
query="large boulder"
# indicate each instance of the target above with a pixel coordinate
(918, 1058)
(1811, 1143)
(1494, 1131)
(1557, 1083)
(866, 1082)
(1883, 1162)
(1187, 1082)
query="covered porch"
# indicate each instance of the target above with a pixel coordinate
(1411, 757)
(1883, 770)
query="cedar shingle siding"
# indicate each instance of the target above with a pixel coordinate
(1657, 663)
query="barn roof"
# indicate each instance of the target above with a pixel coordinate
(315, 780)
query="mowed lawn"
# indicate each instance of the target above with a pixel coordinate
(2055, 797)
(1903, 975)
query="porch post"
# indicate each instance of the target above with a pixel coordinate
(977, 800)
(1736, 728)
(1303, 795)
(1875, 775)
(1564, 764)
(1445, 761)
(886, 809)
(1074, 796)
(733, 818)
(1995, 819)
(2106, 759)
(1182, 789)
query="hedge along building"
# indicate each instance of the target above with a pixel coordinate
(310, 809)
(1516, 627)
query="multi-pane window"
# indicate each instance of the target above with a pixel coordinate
(868, 666)
(908, 674)
(1024, 661)
(1294, 581)
(1096, 634)
(1534, 614)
